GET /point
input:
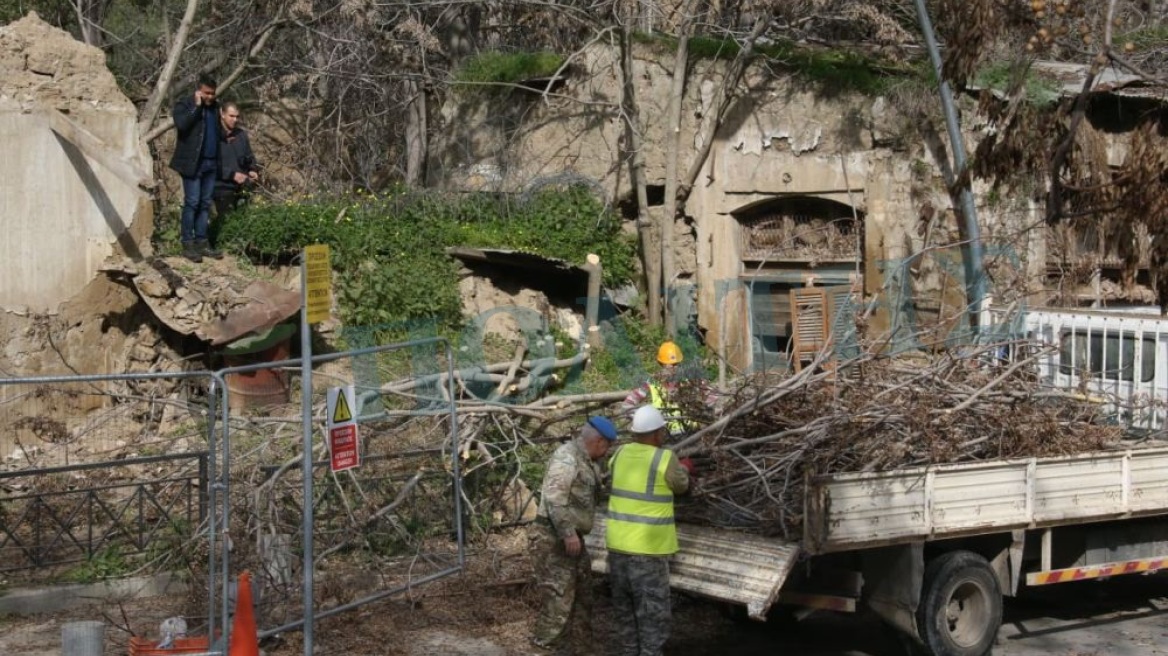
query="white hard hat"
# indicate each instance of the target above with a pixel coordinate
(647, 419)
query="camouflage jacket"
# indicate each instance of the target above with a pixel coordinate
(571, 490)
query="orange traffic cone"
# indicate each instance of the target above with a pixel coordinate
(245, 639)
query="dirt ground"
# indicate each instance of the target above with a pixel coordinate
(489, 611)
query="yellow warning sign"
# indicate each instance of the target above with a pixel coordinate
(343, 442)
(342, 413)
(318, 283)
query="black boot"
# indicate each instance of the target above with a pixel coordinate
(190, 250)
(206, 251)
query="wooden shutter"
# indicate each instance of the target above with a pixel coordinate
(810, 324)
(821, 318)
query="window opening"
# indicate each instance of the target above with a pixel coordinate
(1111, 355)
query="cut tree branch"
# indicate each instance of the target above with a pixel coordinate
(166, 124)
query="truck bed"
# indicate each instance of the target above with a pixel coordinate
(851, 511)
(861, 510)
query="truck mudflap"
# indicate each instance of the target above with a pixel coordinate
(719, 564)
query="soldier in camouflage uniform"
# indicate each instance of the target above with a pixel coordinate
(568, 498)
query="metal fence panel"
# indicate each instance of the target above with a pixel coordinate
(104, 474)
(132, 507)
(126, 452)
(390, 525)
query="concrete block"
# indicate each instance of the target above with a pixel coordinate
(53, 598)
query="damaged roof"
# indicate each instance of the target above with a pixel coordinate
(1071, 77)
(516, 259)
(211, 302)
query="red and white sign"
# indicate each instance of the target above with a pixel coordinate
(344, 446)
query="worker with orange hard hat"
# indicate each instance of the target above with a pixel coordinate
(658, 388)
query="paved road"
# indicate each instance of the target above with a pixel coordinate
(1124, 617)
(1127, 616)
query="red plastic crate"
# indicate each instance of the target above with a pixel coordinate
(146, 646)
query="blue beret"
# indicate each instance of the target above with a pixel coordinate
(603, 426)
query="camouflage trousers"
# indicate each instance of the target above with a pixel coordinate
(640, 603)
(565, 584)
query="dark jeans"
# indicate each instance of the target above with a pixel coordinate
(196, 210)
(226, 200)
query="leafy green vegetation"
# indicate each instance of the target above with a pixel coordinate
(1039, 90)
(831, 70)
(107, 564)
(495, 67)
(388, 249)
(700, 47)
(1152, 36)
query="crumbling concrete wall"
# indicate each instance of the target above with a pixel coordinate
(63, 211)
(783, 137)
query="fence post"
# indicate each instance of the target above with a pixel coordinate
(204, 484)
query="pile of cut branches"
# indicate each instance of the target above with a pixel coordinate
(877, 415)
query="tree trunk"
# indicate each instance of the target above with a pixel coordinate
(260, 42)
(672, 155)
(162, 87)
(416, 134)
(634, 154)
(90, 17)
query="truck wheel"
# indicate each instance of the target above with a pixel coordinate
(961, 605)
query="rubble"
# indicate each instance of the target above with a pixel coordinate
(212, 302)
(46, 67)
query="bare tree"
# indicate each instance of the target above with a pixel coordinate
(90, 20)
(672, 155)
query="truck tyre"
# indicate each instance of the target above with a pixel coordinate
(961, 606)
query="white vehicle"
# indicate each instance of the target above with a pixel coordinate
(1119, 357)
(933, 550)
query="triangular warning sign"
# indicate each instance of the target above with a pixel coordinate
(342, 413)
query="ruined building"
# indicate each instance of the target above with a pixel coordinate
(806, 185)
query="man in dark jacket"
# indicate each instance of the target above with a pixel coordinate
(196, 158)
(238, 169)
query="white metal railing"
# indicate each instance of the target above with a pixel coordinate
(1118, 358)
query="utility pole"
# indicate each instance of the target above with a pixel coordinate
(974, 272)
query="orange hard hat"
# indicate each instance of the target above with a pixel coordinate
(669, 353)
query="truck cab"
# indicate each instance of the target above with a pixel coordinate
(1118, 357)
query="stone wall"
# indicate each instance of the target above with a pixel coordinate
(63, 212)
(782, 138)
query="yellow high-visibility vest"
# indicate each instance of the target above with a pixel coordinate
(640, 510)
(657, 398)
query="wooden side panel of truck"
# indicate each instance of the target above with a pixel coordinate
(853, 511)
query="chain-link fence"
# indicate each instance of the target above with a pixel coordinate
(108, 475)
(73, 420)
(103, 468)
(380, 529)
